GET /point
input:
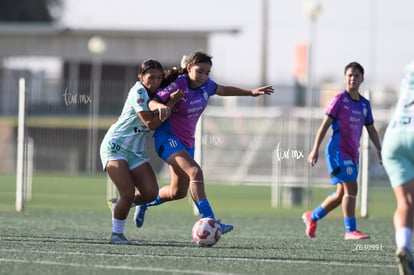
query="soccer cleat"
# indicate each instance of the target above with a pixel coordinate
(355, 235)
(119, 238)
(139, 215)
(404, 261)
(310, 224)
(225, 227)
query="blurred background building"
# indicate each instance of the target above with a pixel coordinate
(79, 62)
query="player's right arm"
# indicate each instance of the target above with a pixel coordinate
(314, 154)
(162, 111)
(150, 119)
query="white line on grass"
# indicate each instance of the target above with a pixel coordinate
(116, 267)
(240, 259)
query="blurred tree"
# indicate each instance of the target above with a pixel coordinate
(29, 10)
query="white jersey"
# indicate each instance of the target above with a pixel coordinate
(128, 132)
(403, 117)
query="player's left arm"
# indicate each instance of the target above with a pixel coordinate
(373, 135)
(235, 91)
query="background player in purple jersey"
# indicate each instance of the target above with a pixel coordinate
(347, 114)
(174, 139)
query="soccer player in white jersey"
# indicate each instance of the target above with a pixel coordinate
(122, 150)
(398, 157)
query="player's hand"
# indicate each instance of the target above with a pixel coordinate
(164, 112)
(175, 97)
(265, 90)
(313, 158)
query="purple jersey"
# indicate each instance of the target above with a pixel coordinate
(349, 117)
(184, 119)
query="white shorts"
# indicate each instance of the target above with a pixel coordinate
(110, 151)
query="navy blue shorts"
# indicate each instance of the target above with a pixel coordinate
(341, 170)
(167, 144)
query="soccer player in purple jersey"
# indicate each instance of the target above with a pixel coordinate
(174, 139)
(347, 114)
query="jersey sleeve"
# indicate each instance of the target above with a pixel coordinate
(333, 107)
(163, 95)
(211, 87)
(138, 100)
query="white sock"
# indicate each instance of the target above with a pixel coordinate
(403, 237)
(118, 226)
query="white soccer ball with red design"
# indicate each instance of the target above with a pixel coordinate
(206, 232)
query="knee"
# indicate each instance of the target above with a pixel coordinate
(178, 193)
(195, 172)
(337, 197)
(147, 195)
(127, 196)
(351, 199)
(404, 205)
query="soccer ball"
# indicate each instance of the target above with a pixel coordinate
(206, 232)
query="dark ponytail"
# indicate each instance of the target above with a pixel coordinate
(171, 75)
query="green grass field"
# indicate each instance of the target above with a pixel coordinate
(65, 229)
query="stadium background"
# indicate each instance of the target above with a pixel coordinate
(73, 94)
